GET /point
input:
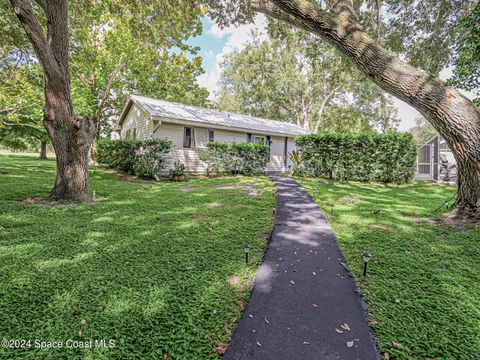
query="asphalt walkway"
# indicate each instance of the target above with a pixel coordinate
(304, 304)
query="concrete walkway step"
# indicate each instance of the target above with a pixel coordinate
(304, 304)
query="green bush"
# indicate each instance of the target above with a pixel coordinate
(118, 154)
(243, 158)
(145, 159)
(178, 172)
(388, 157)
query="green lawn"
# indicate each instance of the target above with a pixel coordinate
(423, 287)
(158, 268)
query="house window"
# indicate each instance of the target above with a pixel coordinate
(211, 135)
(187, 138)
(259, 140)
(249, 138)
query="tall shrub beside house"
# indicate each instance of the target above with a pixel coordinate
(388, 157)
(232, 159)
(143, 158)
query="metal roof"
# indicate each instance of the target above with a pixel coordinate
(167, 109)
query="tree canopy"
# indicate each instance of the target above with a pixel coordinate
(21, 107)
(119, 48)
(292, 76)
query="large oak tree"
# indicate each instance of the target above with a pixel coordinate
(70, 135)
(454, 116)
(93, 55)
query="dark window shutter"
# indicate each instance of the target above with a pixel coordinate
(187, 138)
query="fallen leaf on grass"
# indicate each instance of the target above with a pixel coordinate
(386, 356)
(345, 326)
(398, 345)
(372, 322)
(221, 348)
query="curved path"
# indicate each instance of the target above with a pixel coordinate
(304, 304)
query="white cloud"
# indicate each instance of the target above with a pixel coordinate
(238, 37)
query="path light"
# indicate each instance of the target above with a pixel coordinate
(366, 258)
(246, 248)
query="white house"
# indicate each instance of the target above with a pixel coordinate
(190, 128)
(433, 159)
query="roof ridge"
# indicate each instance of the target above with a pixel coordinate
(218, 111)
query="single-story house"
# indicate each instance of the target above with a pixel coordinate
(433, 159)
(191, 127)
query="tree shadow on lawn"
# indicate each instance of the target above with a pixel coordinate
(422, 286)
(138, 268)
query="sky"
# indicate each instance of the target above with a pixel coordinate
(215, 43)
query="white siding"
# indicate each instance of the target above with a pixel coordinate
(141, 121)
(290, 147)
(189, 157)
(277, 154)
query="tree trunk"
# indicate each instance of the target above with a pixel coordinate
(71, 136)
(455, 117)
(43, 150)
(96, 137)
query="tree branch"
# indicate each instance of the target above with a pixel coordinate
(111, 79)
(26, 15)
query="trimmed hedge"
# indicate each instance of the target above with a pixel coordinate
(143, 158)
(243, 158)
(388, 157)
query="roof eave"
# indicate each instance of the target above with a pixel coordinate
(220, 127)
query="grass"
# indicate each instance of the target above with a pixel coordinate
(422, 288)
(158, 268)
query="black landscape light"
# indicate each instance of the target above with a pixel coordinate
(246, 248)
(366, 258)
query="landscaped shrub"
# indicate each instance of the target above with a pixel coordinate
(145, 159)
(118, 154)
(388, 157)
(243, 158)
(178, 172)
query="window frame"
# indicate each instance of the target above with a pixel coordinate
(255, 137)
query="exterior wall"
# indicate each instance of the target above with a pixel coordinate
(191, 157)
(290, 147)
(139, 120)
(144, 129)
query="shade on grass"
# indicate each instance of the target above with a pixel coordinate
(151, 267)
(423, 288)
